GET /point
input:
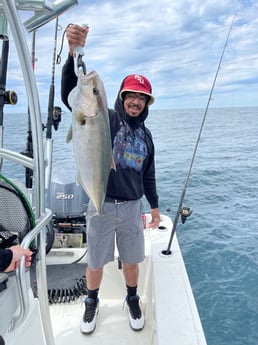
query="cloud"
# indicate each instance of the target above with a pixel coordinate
(176, 44)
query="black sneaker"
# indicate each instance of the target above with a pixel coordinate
(136, 317)
(88, 322)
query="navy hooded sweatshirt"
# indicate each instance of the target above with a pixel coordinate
(132, 146)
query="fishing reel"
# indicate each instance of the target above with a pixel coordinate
(185, 213)
(9, 97)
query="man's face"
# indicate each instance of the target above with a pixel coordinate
(134, 103)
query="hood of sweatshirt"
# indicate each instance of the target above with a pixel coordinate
(133, 122)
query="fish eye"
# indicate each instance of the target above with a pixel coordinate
(95, 91)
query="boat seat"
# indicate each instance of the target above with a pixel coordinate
(16, 215)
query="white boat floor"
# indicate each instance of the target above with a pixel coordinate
(112, 322)
(112, 325)
(170, 311)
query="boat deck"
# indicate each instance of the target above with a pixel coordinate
(112, 326)
(167, 301)
(112, 323)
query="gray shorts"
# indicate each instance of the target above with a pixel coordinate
(121, 223)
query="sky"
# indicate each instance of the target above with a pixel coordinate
(176, 44)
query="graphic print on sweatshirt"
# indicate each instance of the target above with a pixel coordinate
(130, 150)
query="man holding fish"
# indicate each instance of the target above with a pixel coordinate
(123, 176)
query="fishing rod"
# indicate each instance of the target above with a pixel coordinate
(53, 119)
(29, 145)
(3, 71)
(185, 211)
(54, 116)
(6, 97)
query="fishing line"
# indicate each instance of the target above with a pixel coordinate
(185, 212)
(58, 56)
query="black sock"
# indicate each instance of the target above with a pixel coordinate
(131, 290)
(93, 294)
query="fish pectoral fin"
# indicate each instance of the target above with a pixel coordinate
(69, 135)
(78, 180)
(113, 164)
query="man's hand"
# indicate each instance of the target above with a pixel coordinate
(18, 253)
(76, 36)
(155, 218)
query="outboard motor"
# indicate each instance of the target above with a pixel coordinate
(68, 202)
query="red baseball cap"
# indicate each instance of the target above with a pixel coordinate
(137, 83)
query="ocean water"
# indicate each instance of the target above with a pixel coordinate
(219, 241)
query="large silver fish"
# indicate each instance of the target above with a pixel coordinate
(90, 133)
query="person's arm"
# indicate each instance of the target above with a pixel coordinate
(150, 188)
(6, 256)
(68, 80)
(10, 258)
(149, 179)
